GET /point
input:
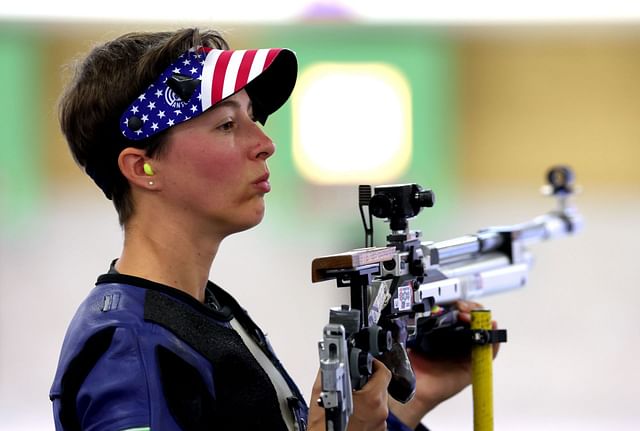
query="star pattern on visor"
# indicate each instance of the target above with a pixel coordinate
(160, 107)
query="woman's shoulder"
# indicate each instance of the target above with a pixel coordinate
(111, 328)
(108, 305)
(107, 308)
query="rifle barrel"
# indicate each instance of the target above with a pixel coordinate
(552, 225)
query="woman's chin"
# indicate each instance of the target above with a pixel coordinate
(250, 222)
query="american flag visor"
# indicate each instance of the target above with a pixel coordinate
(200, 78)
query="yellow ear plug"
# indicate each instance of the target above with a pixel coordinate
(147, 169)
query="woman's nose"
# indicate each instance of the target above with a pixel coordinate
(264, 147)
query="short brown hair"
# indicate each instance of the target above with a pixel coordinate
(104, 84)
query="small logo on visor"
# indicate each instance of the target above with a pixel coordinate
(173, 99)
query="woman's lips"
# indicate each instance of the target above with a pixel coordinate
(263, 184)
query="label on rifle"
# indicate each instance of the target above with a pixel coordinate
(404, 300)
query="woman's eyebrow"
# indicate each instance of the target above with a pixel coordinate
(234, 104)
(228, 103)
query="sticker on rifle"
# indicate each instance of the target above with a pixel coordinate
(403, 301)
(379, 302)
(374, 311)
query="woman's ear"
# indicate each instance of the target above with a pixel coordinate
(137, 168)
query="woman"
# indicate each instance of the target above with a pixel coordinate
(166, 125)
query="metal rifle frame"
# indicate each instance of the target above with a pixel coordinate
(401, 294)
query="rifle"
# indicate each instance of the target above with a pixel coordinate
(402, 294)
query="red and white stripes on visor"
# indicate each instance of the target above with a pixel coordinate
(236, 68)
(199, 79)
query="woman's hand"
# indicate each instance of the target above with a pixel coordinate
(436, 380)
(370, 404)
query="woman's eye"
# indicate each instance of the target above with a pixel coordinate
(227, 126)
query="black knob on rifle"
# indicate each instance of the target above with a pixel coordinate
(425, 199)
(404, 200)
(561, 179)
(416, 267)
(360, 367)
(384, 341)
(374, 340)
(381, 206)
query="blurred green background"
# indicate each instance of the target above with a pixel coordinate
(488, 103)
(493, 107)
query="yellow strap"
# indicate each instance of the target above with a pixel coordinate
(482, 374)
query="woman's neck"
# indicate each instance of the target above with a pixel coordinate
(171, 254)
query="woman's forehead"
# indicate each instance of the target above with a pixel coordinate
(239, 101)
